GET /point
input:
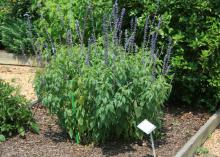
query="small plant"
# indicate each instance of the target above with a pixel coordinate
(15, 117)
(202, 151)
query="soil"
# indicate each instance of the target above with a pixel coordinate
(179, 126)
(21, 77)
(180, 123)
(212, 145)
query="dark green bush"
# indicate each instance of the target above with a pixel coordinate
(13, 25)
(15, 117)
(14, 36)
(195, 29)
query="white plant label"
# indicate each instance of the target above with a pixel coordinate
(146, 126)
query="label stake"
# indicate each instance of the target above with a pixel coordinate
(148, 128)
(152, 144)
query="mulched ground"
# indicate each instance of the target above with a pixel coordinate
(179, 126)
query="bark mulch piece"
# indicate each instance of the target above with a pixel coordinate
(179, 126)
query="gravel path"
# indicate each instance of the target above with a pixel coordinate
(212, 144)
(20, 76)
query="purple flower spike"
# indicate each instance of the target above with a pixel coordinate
(69, 38)
(78, 31)
(167, 57)
(115, 13)
(145, 31)
(121, 20)
(88, 52)
(105, 34)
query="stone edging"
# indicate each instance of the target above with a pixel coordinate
(15, 59)
(188, 150)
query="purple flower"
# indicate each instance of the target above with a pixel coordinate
(126, 39)
(69, 38)
(145, 31)
(88, 54)
(105, 34)
(121, 20)
(92, 21)
(166, 60)
(115, 13)
(132, 25)
(78, 31)
(51, 43)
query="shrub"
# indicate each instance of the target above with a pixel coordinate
(194, 27)
(115, 96)
(15, 37)
(58, 17)
(104, 90)
(15, 117)
(13, 26)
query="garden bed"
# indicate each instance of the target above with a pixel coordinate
(179, 126)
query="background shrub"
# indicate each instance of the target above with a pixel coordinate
(59, 16)
(195, 30)
(15, 117)
(13, 25)
(15, 36)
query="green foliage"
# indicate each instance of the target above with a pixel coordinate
(202, 151)
(59, 16)
(15, 36)
(15, 8)
(2, 138)
(195, 30)
(13, 27)
(109, 99)
(15, 117)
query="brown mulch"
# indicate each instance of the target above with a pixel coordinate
(179, 126)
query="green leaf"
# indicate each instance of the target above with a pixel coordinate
(35, 128)
(21, 131)
(138, 111)
(70, 132)
(2, 138)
